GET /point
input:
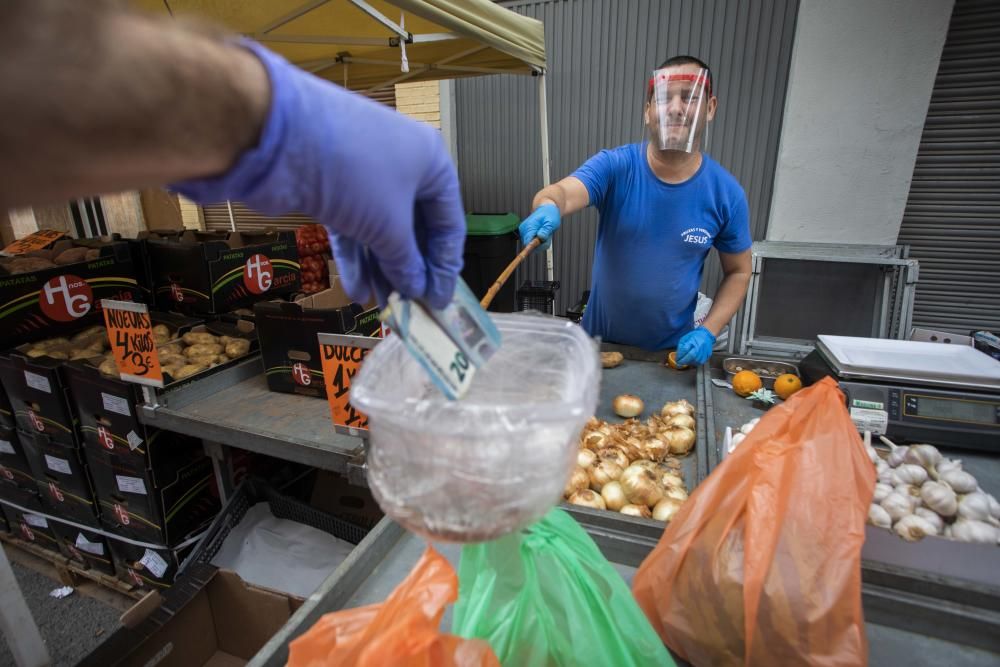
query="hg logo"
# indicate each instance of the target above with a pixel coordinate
(696, 236)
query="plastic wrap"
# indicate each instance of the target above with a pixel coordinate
(494, 461)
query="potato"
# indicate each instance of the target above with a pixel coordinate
(35, 352)
(161, 330)
(57, 354)
(237, 348)
(88, 334)
(71, 256)
(92, 254)
(202, 349)
(171, 348)
(83, 353)
(188, 370)
(192, 338)
(167, 359)
(207, 359)
(28, 264)
(108, 367)
(611, 359)
(160, 339)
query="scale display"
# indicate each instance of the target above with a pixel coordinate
(951, 409)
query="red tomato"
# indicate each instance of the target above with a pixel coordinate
(315, 247)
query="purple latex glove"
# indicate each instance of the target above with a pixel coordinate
(382, 184)
(695, 347)
(542, 222)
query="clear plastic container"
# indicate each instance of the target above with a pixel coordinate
(496, 460)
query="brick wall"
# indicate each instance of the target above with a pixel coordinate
(420, 100)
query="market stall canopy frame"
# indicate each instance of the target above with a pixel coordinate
(369, 45)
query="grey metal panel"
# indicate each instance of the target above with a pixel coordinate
(600, 54)
(952, 216)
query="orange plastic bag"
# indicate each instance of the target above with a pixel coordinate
(762, 564)
(403, 631)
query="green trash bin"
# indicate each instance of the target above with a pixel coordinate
(490, 245)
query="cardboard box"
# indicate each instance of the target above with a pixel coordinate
(215, 272)
(211, 618)
(34, 529)
(145, 568)
(60, 300)
(62, 478)
(85, 548)
(38, 396)
(288, 343)
(161, 492)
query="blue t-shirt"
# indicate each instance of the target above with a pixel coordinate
(652, 242)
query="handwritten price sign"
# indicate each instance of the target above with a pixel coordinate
(341, 357)
(131, 334)
(35, 241)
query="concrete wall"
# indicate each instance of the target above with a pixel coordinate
(861, 78)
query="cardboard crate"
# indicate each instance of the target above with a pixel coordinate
(162, 492)
(211, 617)
(38, 395)
(288, 343)
(34, 528)
(85, 548)
(62, 478)
(215, 272)
(145, 568)
(60, 300)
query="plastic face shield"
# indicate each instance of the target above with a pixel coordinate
(678, 107)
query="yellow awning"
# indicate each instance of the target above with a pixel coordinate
(362, 43)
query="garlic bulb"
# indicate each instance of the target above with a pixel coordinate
(897, 455)
(932, 517)
(877, 516)
(614, 496)
(975, 506)
(881, 491)
(968, 530)
(947, 465)
(637, 510)
(586, 458)
(587, 498)
(616, 454)
(578, 481)
(602, 472)
(913, 527)
(939, 497)
(885, 476)
(927, 456)
(683, 421)
(994, 506)
(910, 491)
(959, 480)
(666, 509)
(908, 473)
(641, 486)
(897, 506)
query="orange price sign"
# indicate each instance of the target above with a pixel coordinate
(34, 241)
(341, 356)
(131, 334)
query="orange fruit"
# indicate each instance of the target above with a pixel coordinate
(746, 383)
(672, 361)
(786, 385)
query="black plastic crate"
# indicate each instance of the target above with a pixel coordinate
(537, 295)
(253, 491)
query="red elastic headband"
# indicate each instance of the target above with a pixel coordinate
(697, 78)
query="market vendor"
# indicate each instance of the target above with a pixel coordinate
(97, 98)
(663, 205)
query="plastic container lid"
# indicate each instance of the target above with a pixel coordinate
(496, 224)
(494, 461)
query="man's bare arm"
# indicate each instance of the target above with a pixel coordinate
(96, 98)
(729, 297)
(569, 194)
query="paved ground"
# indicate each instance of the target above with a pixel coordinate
(71, 627)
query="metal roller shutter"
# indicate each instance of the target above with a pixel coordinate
(217, 215)
(952, 217)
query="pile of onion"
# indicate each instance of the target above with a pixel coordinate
(632, 467)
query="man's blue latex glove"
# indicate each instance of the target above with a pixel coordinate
(695, 347)
(371, 176)
(542, 222)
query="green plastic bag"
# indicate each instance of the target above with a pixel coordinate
(546, 595)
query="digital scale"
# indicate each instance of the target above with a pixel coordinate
(914, 391)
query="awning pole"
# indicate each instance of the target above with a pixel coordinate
(543, 119)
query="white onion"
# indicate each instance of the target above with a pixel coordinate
(602, 472)
(655, 449)
(680, 440)
(637, 510)
(647, 464)
(967, 530)
(939, 497)
(627, 405)
(877, 516)
(681, 407)
(959, 480)
(683, 421)
(666, 509)
(669, 479)
(595, 440)
(586, 458)
(614, 496)
(616, 454)
(588, 498)
(913, 527)
(578, 481)
(641, 487)
(676, 493)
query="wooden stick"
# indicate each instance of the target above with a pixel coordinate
(498, 283)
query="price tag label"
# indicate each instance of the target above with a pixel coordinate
(341, 357)
(34, 241)
(131, 334)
